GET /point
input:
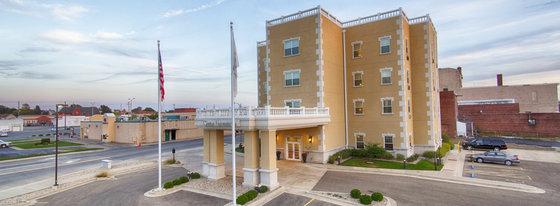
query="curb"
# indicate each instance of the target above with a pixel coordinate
(52, 155)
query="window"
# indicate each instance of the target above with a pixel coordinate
(385, 45)
(409, 109)
(388, 141)
(534, 96)
(358, 107)
(408, 79)
(386, 76)
(358, 78)
(356, 50)
(360, 140)
(291, 47)
(293, 103)
(291, 78)
(387, 104)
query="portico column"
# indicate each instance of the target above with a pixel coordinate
(205, 152)
(251, 158)
(216, 167)
(268, 171)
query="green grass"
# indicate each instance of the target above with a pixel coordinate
(35, 144)
(362, 162)
(43, 154)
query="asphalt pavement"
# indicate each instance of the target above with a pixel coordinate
(129, 190)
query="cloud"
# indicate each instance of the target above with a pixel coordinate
(65, 36)
(108, 35)
(12, 65)
(28, 75)
(178, 12)
(67, 12)
(39, 9)
(38, 49)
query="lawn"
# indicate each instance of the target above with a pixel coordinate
(43, 154)
(35, 144)
(363, 162)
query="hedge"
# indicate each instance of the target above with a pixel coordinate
(370, 151)
(246, 197)
(175, 182)
(400, 157)
(262, 189)
(376, 196)
(194, 175)
(412, 158)
(346, 153)
(355, 193)
(365, 199)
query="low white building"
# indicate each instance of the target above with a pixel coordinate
(11, 125)
(70, 121)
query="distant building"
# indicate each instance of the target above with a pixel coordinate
(11, 125)
(541, 98)
(37, 120)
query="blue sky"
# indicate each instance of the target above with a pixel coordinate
(105, 51)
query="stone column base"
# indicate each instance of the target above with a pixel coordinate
(269, 178)
(216, 171)
(250, 177)
(205, 169)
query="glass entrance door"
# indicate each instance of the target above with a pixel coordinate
(294, 151)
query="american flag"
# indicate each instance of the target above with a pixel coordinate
(234, 63)
(161, 80)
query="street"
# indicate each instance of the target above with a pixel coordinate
(21, 172)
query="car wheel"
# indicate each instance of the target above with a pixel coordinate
(469, 147)
(508, 163)
(2, 146)
(480, 160)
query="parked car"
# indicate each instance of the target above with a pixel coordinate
(485, 143)
(3, 134)
(496, 157)
(4, 144)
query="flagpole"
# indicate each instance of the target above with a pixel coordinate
(233, 115)
(159, 118)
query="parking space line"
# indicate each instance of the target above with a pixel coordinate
(311, 200)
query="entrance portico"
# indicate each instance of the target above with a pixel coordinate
(263, 128)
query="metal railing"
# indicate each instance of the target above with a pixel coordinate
(262, 112)
(372, 18)
(420, 19)
(291, 17)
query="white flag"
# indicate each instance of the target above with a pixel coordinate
(234, 63)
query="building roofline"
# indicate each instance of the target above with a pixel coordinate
(358, 21)
(513, 85)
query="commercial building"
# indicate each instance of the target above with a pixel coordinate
(325, 85)
(11, 124)
(108, 129)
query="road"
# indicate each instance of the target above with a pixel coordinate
(25, 171)
(129, 189)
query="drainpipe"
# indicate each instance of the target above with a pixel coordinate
(345, 88)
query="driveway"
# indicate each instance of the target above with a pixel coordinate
(128, 190)
(414, 191)
(296, 200)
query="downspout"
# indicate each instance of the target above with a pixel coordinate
(345, 89)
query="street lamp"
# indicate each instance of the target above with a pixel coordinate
(56, 146)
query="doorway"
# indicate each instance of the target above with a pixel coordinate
(170, 135)
(293, 148)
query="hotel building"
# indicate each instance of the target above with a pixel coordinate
(325, 85)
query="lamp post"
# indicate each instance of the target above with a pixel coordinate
(56, 146)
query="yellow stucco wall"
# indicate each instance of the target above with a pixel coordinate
(261, 75)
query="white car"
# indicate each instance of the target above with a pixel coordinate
(4, 144)
(3, 134)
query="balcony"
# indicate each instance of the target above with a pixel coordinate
(263, 118)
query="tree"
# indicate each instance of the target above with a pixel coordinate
(37, 110)
(105, 109)
(149, 109)
(25, 106)
(7, 110)
(153, 116)
(137, 110)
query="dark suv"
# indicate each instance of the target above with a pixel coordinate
(485, 143)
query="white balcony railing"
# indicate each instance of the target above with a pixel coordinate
(250, 118)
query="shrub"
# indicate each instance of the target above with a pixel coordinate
(452, 146)
(400, 157)
(377, 196)
(177, 182)
(183, 179)
(365, 199)
(40, 135)
(443, 150)
(246, 197)
(429, 154)
(346, 153)
(262, 189)
(355, 193)
(170, 161)
(445, 138)
(241, 200)
(102, 174)
(168, 185)
(252, 194)
(194, 175)
(412, 158)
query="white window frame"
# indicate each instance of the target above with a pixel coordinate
(381, 44)
(390, 75)
(354, 78)
(292, 71)
(284, 46)
(356, 134)
(383, 106)
(354, 49)
(292, 102)
(354, 106)
(383, 135)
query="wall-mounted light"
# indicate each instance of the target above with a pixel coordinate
(310, 139)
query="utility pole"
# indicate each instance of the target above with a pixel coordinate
(56, 145)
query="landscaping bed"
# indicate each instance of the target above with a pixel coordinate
(374, 163)
(38, 144)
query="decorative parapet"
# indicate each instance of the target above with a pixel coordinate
(251, 118)
(372, 18)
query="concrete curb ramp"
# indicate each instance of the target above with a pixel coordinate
(434, 176)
